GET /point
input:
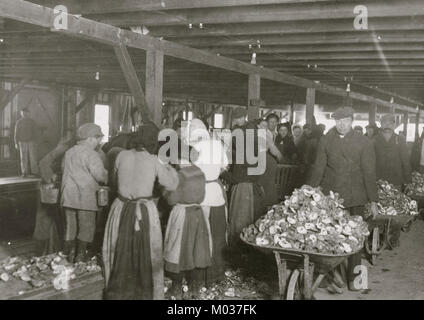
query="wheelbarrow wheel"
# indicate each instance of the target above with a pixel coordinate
(375, 245)
(293, 289)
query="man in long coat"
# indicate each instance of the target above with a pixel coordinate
(345, 164)
(391, 154)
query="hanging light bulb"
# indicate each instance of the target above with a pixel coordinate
(309, 65)
(348, 87)
(253, 61)
(1, 40)
(201, 25)
(250, 46)
(315, 66)
(97, 76)
(190, 26)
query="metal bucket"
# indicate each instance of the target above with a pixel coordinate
(49, 194)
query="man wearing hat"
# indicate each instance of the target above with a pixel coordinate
(391, 154)
(83, 170)
(345, 164)
(25, 138)
(392, 162)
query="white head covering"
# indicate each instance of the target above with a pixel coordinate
(212, 158)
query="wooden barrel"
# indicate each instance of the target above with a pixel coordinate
(285, 179)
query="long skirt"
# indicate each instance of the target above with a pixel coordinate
(246, 206)
(218, 223)
(132, 252)
(187, 240)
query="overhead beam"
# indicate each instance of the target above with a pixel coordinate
(307, 38)
(87, 29)
(255, 14)
(132, 80)
(110, 6)
(411, 23)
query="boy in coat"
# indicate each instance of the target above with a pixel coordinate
(83, 170)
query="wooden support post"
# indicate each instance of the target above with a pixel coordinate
(291, 111)
(154, 84)
(405, 123)
(372, 113)
(310, 105)
(254, 93)
(417, 123)
(130, 75)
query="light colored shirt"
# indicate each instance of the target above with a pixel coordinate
(212, 160)
(137, 171)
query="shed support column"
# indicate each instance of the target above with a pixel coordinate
(417, 123)
(405, 123)
(310, 105)
(372, 113)
(254, 93)
(154, 84)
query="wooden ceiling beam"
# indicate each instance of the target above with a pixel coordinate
(308, 38)
(87, 29)
(290, 27)
(263, 13)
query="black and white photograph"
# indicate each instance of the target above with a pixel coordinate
(212, 154)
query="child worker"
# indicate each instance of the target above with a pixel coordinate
(132, 245)
(188, 242)
(83, 170)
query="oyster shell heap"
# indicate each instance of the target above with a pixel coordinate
(392, 202)
(416, 187)
(309, 221)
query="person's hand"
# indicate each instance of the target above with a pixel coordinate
(373, 209)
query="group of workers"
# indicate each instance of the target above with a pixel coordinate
(139, 248)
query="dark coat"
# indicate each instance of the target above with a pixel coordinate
(416, 154)
(287, 148)
(392, 160)
(346, 166)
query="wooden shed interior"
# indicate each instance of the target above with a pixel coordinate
(205, 56)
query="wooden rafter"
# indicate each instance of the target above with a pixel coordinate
(88, 29)
(131, 77)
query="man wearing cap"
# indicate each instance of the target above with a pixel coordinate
(371, 130)
(345, 164)
(25, 138)
(392, 162)
(391, 154)
(83, 170)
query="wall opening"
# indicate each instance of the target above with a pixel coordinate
(101, 118)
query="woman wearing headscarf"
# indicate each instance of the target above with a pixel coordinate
(212, 160)
(188, 242)
(132, 246)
